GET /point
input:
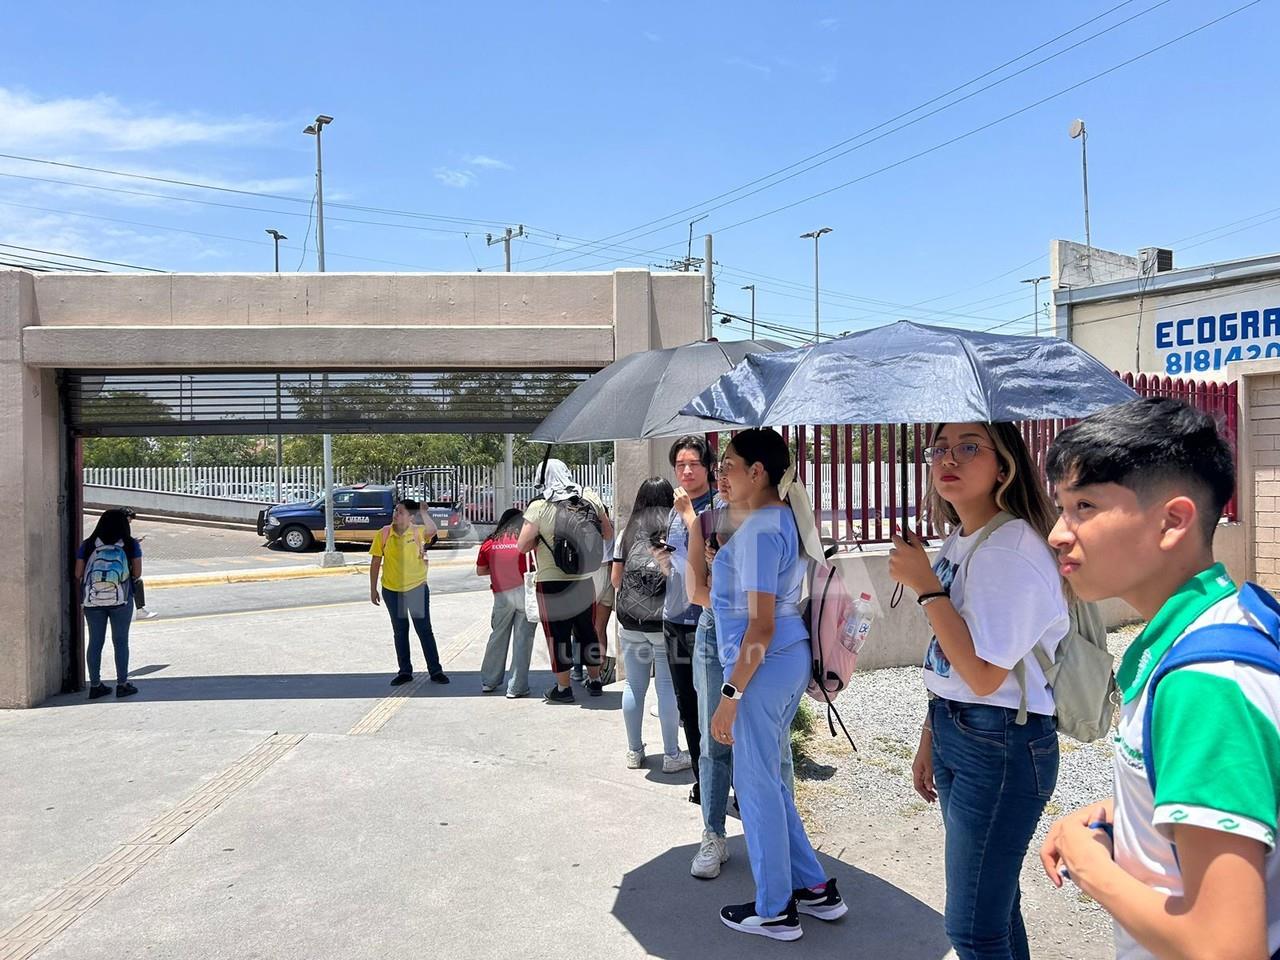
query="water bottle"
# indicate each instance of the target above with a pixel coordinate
(857, 625)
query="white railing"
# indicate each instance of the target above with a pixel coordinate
(476, 482)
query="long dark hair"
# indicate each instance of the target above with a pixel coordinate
(653, 503)
(112, 527)
(765, 446)
(508, 524)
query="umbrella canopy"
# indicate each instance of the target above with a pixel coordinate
(912, 373)
(640, 396)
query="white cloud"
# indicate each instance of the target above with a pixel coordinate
(489, 163)
(458, 179)
(829, 23)
(763, 69)
(101, 122)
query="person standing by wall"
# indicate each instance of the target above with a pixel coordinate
(107, 564)
(502, 562)
(399, 553)
(571, 516)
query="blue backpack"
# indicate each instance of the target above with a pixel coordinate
(1254, 646)
(107, 580)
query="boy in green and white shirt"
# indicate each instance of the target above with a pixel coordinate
(1141, 487)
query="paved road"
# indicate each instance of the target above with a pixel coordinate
(175, 547)
(292, 597)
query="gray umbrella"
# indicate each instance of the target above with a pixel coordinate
(640, 396)
(911, 373)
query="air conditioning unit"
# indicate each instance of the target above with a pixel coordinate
(1155, 260)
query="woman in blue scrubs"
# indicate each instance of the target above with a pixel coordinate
(756, 583)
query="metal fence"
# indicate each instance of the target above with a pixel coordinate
(477, 483)
(858, 497)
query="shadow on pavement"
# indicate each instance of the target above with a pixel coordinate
(317, 686)
(675, 917)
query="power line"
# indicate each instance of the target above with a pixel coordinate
(72, 256)
(634, 234)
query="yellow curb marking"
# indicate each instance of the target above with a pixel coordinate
(65, 905)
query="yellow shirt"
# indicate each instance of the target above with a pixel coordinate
(403, 568)
(543, 515)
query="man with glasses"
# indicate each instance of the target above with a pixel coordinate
(690, 458)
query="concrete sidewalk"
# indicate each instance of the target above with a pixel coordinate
(268, 795)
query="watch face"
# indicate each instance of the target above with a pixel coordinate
(729, 691)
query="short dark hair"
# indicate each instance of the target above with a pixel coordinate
(410, 504)
(764, 446)
(695, 442)
(1150, 445)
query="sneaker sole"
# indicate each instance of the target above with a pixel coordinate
(832, 912)
(706, 874)
(773, 933)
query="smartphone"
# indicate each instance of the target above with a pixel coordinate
(660, 544)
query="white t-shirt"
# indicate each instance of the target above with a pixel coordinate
(1011, 598)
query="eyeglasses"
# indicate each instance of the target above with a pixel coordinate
(960, 453)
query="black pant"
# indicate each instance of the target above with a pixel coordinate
(679, 639)
(568, 615)
(412, 605)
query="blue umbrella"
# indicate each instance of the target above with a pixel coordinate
(912, 373)
(908, 372)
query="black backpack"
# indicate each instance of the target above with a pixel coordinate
(577, 543)
(644, 588)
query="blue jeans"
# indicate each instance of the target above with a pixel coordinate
(993, 778)
(716, 763)
(412, 605)
(639, 650)
(508, 627)
(120, 617)
(782, 859)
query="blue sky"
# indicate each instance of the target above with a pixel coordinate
(586, 120)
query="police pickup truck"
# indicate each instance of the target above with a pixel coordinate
(361, 510)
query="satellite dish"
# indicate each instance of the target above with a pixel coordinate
(1077, 128)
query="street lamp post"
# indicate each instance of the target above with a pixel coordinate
(331, 556)
(817, 322)
(752, 288)
(1035, 299)
(1078, 132)
(277, 236)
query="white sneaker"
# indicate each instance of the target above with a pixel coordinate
(713, 852)
(635, 758)
(142, 613)
(677, 764)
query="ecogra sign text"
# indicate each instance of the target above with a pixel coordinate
(1210, 342)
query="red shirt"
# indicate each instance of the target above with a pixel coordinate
(507, 565)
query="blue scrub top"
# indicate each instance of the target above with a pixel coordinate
(762, 556)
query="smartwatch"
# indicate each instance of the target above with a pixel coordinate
(730, 692)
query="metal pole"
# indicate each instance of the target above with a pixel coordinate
(1084, 166)
(709, 288)
(319, 201)
(279, 446)
(277, 239)
(817, 322)
(752, 288)
(1035, 299)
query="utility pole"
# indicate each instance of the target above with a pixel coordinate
(752, 288)
(331, 558)
(505, 240)
(817, 322)
(1078, 132)
(508, 443)
(1035, 299)
(709, 288)
(277, 236)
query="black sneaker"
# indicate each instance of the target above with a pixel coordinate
(695, 794)
(556, 695)
(744, 919)
(101, 690)
(826, 905)
(440, 677)
(125, 690)
(595, 688)
(401, 678)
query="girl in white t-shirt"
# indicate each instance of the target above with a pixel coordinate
(991, 775)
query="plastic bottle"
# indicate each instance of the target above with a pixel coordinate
(857, 625)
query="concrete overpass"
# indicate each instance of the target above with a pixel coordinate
(55, 328)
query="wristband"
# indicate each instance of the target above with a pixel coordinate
(927, 598)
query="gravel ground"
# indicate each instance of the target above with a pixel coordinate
(861, 807)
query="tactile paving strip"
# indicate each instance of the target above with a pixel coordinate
(65, 905)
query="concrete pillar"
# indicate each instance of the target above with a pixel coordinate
(35, 638)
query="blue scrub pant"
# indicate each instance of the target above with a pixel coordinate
(782, 859)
